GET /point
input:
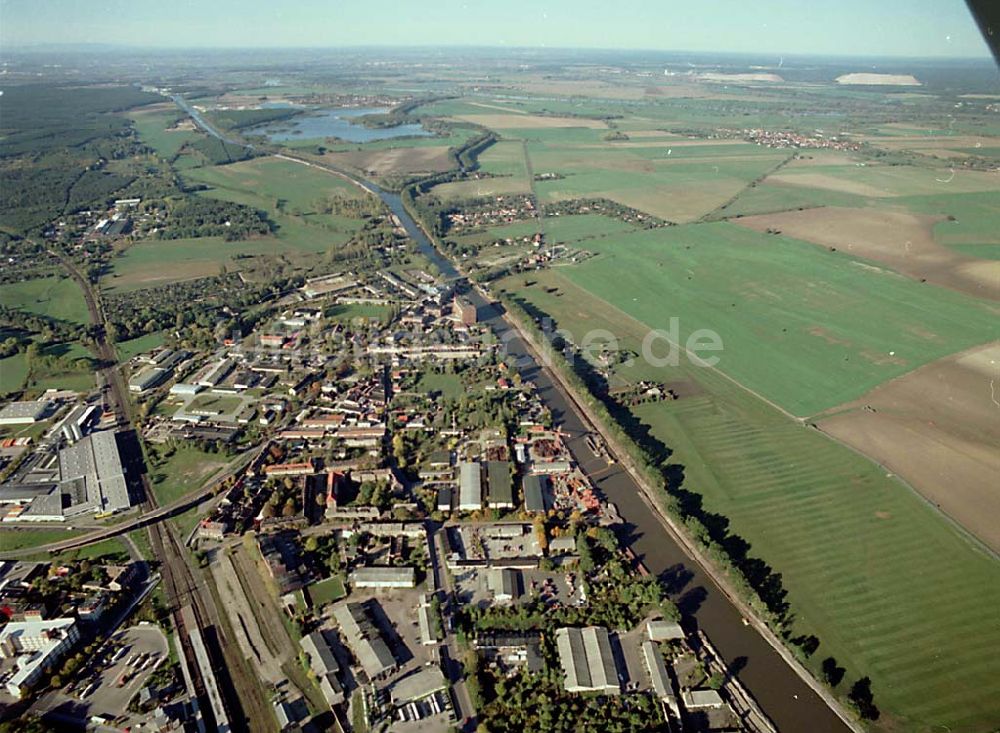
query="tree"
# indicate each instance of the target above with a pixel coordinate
(863, 700)
(832, 672)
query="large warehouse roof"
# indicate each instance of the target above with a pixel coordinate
(587, 660)
(96, 462)
(470, 487)
(364, 639)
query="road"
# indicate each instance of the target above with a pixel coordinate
(450, 658)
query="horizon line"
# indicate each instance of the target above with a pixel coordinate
(84, 47)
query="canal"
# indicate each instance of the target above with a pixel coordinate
(784, 696)
(790, 703)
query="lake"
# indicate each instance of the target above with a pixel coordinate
(335, 123)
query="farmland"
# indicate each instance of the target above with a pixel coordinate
(936, 427)
(905, 242)
(786, 311)
(154, 128)
(795, 496)
(679, 183)
(265, 182)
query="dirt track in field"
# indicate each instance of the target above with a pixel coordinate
(905, 242)
(939, 429)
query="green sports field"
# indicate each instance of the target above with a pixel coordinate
(805, 328)
(890, 589)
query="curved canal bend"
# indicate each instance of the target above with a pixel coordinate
(790, 703)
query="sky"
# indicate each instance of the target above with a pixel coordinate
(939, 28)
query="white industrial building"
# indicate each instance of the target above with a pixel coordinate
(470, 487)
(383, 577)
(36, 646)
(662, 630)
(25, 413)
(587, 660)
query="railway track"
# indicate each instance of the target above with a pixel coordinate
(188, 606)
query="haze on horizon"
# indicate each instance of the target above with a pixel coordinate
(892, 28)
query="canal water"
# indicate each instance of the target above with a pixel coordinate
(338, 123)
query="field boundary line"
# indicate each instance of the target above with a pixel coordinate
(753, 184)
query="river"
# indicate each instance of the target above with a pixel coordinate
(784, 696)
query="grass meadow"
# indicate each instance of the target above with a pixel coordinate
(55, 297)
(806, 328)
(890, 589)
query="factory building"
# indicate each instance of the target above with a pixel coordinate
(537, 493)
(92, 477)
(587, 660)
(364, 639)
(146, 379)
(383, 577)
(470, 487)
(25, 413)
(499, 486)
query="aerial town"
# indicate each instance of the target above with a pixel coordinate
(499, 368)
(398, 501)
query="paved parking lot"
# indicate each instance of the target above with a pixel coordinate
(108, 698)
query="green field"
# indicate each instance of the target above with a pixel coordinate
(806, 328)
(449, 385)
(26, 539)
(346, 312)
(183, 472)
(55, 297)
(504, 158)
(891, 181)
(677, 184)
(567, 229)
(975, 228)
(767, 198)
(264, 181)
(293, 196)
(215, 403)
(141, 345)
(326, 591)
(152, 129)
(889, 588)
(13, 372)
